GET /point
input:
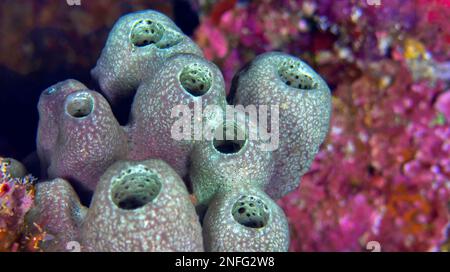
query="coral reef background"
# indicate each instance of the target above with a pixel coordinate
(383, 174)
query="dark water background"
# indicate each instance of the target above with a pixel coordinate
(54, 40)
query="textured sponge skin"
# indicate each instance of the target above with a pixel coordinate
(84, 136)
(123, 65)
(152, 115)
(223, 232)
(166, 223)
(58, 212)
(153, 191)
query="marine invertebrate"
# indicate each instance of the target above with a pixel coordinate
(148, 205)
(184, 79)
(137, 45)
(144, 194)
(78, 136)
(305, 105)
(137, 206)
(50, 108)
(245, 219)
(223, 162)
(57, 214)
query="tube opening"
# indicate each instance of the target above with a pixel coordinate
(251, 212)
(230, 140)
(292, 73)
(146, 32)
(79, 105)
(196, 79)
(134, 190)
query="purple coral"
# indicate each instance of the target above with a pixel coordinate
(221, 163)
(16, 199)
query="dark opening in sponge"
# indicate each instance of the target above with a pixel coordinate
(196, 79)
(79, 104)
(230, 140)
(135, 189)
(251, 212)
(293, 74)
(145, 32)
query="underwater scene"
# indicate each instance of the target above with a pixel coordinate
(225, 126)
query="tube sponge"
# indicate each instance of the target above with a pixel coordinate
(58, 212)
(225, 161)
(140, 201)
(141, 206)
(245, 219)
(137, 45)
(88, 138)
(185, 81)
(50, 107)
(304, 101)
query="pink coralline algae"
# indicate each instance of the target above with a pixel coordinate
(16, 199)
(443, 105)
(142, 174)
(383, 173)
